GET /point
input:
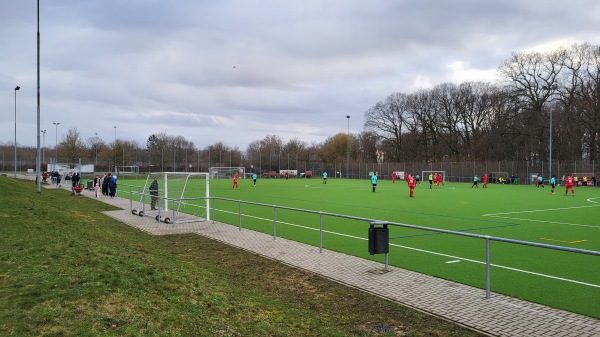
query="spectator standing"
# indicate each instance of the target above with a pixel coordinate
(112, 186)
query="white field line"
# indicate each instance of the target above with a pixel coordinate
(544, 221)
(430, 252)
(500, 215)
(541, 210)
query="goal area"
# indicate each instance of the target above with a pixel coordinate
(227, 172)
(498, 177)
(175, 197)
(127, 170)
(425, 175)
(583, 178)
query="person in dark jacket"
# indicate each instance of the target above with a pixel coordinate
(105, 181)
(154, 194)
(112, 186)
(74, 182)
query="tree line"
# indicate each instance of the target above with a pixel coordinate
(507, 120)
(471, 121)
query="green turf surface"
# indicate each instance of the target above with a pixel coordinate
(560, 279)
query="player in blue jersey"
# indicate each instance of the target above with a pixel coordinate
(374, 180)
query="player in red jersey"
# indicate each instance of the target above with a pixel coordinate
(485, 180)
(394, 177)
(235, 182)
(412, 182)
(569, 185)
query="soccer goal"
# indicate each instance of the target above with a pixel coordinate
(583, 179)
(127, 170)
(227, 172)
(175, 197)
(499, 177)
(425, 175)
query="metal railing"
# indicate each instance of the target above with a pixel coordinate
(370, 221)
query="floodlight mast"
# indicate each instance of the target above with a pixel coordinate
(552, 87)
(16, 88)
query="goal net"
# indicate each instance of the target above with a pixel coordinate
(425, 176)
(127, 170)
(499, 177)
(583, 179)
(227, 172)
(175, 197)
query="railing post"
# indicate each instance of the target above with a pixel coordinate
(320, 232)
(240, 215)
(487, 267)
(213, 210)
(274, 223)
(173, 217)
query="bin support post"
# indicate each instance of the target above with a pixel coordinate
(386, 263)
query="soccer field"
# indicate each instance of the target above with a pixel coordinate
(560, 279)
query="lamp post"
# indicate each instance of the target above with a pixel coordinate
(550, 159)
(16, 88)
(96, 149)
(553, 87)
(115, 150)
(348, 148)
(44, 147)
(56, 124)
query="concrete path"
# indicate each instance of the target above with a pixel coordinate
(497, 316)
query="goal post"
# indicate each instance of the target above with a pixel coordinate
(124, 170)
(227, 172)
(499, 177)
(425, 175)
(583, 178)
(175, 197)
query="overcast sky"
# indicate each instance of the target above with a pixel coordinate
(239, 70)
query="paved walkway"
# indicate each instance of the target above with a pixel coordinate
(497, 316)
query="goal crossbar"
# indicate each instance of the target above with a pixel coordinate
(425, 175)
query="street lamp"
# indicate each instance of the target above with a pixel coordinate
(553, 87)
(44, 147)
(96, 148)
(16, 88)
(348, 148)
(56, 124)
(114, 150)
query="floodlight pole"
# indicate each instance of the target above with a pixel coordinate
(56, 124)
(44, 147)
(16, 88)
(348, 148)
(38, 163)
(96, 148)
(550, 161)
(553, 87)
(114, 151)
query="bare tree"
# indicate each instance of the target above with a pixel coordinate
(72, 147)
(387, 120)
